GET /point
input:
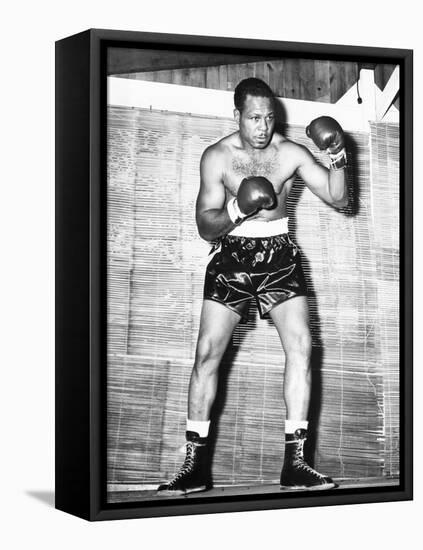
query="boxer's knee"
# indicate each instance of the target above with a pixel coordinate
(208, 355)
(298, 347)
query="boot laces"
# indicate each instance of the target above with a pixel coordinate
(188, 464)
(301, 464)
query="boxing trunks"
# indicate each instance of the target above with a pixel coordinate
(257, 260)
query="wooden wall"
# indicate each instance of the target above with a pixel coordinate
(291, 78)
(308, 79)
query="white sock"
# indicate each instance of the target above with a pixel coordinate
(199, 426)
(292, 425)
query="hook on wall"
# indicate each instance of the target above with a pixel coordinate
(359, 98)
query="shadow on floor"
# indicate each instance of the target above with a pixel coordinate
(46, 497)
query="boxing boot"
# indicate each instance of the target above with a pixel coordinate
(296, 473)
(193, 476)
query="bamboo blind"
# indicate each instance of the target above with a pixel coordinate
(156, 264)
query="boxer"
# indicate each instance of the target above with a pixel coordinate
(245, 181)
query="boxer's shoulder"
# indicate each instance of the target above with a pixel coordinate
(284, 144)
(221, 148)
(292, 150)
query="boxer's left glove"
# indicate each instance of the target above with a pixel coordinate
(328, 136)
(254, 194)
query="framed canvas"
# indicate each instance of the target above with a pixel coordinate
(233, 274)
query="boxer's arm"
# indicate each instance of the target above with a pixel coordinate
(212, 217)
(328, 184)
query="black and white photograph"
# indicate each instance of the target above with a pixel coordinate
(210, 278)
(253, 275)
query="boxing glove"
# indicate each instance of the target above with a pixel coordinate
(255, 193)
(328, 136)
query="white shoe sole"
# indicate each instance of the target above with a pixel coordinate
(166, 493)
(323, 487)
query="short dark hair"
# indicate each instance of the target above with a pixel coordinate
(251, 86)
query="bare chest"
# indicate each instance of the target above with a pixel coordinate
(271, 167)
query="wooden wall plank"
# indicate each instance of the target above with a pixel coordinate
(336, 80)
(223, 77)
(307, 73)
(163, 76)
(276, 74)
(321, 81)
(261, 70)
(342, 76)
(291, 88)
(212, 78)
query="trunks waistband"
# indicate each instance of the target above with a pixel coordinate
(260, 228)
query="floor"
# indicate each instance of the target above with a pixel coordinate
(136, 493)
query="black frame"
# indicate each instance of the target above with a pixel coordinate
(80, 275)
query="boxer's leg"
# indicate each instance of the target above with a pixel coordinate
(217, 324)
(291, 319)
(292, 322)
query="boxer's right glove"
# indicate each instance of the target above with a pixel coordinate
(254, 194)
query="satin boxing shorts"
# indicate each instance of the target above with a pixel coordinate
(257, 260)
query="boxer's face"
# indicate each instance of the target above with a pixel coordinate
(256, 121)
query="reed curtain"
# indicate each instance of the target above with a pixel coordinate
(156, 263)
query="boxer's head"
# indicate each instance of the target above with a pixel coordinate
(255, 112)
(251, 87)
